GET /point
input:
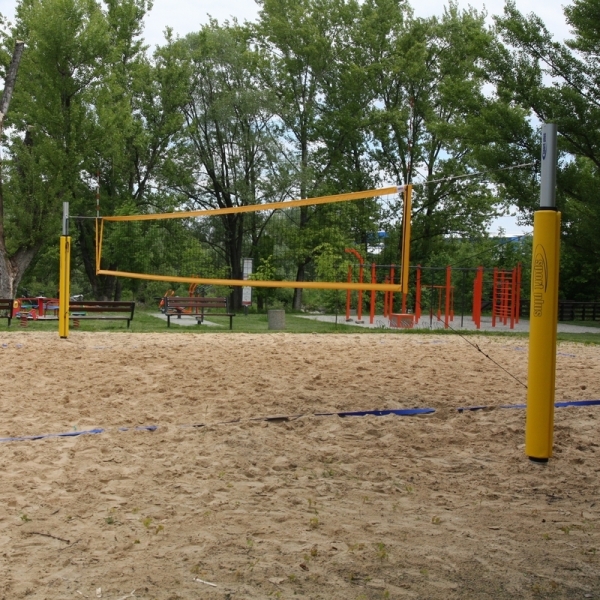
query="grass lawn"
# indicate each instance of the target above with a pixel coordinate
(145, 322)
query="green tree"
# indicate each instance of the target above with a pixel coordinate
(428, 79)
(91, 109)
(558, 82)
(138, 110)
(304, 45)
(50, 125)
(227, 154)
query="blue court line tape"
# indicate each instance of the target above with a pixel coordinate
(578, 403)
(565, 404)
(75, 433)
(53, 435)
(401, 412)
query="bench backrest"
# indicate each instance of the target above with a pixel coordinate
(6, 303)
(101, 306)
(195, 302)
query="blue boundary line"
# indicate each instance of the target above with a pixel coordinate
(95, 431)
(565, 404)
(400, 412)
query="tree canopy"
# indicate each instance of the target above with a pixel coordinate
(316, 97)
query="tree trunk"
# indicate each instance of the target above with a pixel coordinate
(235, 232)
(12, 269)
(118, 289)
(300, 273)
(297, 303)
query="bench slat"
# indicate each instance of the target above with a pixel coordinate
(174, 305)
(101, 306)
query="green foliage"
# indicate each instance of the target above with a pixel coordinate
(317, 97)
(331, 265)
(558, 82)
(265, 272)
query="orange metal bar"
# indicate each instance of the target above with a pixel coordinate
(500, 311)
(373, 293)
(518, 296)
(494, 297)
(447, 298)
(418, 295)
(386, 299)
(360, 280)
(508, 297)
(480, 297)
(360, 294)
(513, 293)
(475, 290)
(504, 286)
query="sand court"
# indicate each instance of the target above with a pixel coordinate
(435, 506)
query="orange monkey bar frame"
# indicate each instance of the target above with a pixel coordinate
(445, 292)
(506, 296)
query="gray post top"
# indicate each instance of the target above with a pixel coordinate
(549, 160)
(65, 223)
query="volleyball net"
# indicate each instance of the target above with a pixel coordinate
(291, 244)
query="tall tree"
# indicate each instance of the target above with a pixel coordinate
(10, 266)
(559, 82)
(51, 127)
(139, 112)
(93, 109)
(302, 42)
(429, 79)
(227, 154)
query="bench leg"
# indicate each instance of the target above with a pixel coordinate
(230, 323)
(168, 320)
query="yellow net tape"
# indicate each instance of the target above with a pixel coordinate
(307, 236)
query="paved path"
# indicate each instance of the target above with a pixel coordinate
(381, 322)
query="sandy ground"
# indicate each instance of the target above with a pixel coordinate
(435, 507)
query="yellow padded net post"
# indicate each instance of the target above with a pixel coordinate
(64, 276)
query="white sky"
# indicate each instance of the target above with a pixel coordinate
(185, 16)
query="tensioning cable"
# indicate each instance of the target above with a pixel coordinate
(467, 176)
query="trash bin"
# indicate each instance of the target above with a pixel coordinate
(276, 318)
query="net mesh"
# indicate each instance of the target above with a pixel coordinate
(305, 243)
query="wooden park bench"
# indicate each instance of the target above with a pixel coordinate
(102, 310)
(6, 309)
(197, 305)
